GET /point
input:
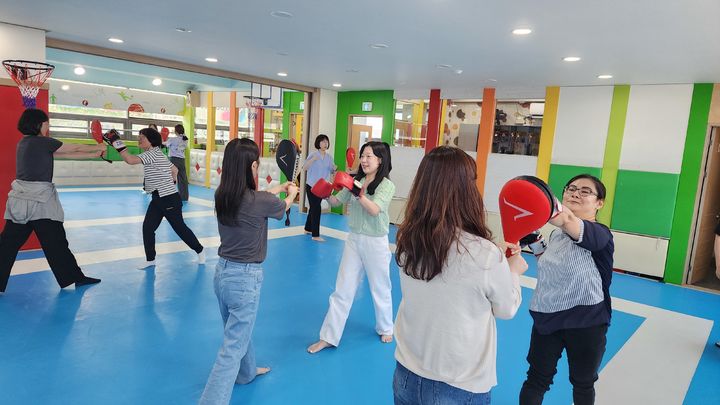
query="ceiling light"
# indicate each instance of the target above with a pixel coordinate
(337, 85)
(116, 40)
(213, 60)
(443, 66)
(282, 53)
(65, 87)
(79, 70)
(492, 80)
(183, 29)
(156, 82)
(352, 70)
(379, 46)
(521, 31)
(281, 14)
(605, 77)
(282, 74)
(458, 71)
(571, 58)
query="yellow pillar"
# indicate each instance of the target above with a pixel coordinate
(443, 112)
(210, 146)
(417, 120)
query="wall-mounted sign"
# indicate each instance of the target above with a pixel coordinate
(367, 106)
(302, 106)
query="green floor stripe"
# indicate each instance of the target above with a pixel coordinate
(688, 184)
(613, 146)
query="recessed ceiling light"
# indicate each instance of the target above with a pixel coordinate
(458, 71)
(443, 66)
(183, 29)
(79, 70)
(379, 46)
(605, 77)
(352, 70)
(521, 31)
(116, 40)
(282, 53)
(571, 58)
(337, 85)
(281, 14)
(492, 80)
(156, 82)
(282, 74)
(65, 87)
(213, 60)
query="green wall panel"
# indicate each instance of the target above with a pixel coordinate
(560, 174)
(688, 182)
(291, 105)
(644, 202)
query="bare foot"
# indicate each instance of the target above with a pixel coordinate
(317, 346)
(262, 370)
(318, 239)
(386, 338)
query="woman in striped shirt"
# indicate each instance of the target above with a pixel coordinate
(160, 178)
(571, 303)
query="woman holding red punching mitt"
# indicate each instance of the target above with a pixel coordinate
(571, 302)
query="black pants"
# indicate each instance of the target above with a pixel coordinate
(53, 242)
(169, 207)
(182, 180)
(585, 348)
(312, 224)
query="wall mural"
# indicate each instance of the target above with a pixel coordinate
(114, 98)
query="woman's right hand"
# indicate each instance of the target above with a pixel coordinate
(516, 261)
(292, 189)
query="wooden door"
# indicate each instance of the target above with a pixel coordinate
(359, 134)
(702, 263)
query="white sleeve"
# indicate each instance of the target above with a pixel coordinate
(503, 289)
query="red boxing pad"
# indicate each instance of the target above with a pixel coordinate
(322, 189)
(526, 204)
(96, 131)
(164, 133)
(343, 179)
(350, 157)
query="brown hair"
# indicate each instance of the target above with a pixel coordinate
(443, 200)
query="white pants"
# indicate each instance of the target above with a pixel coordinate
(362, 254)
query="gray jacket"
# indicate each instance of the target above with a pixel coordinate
(31, 200)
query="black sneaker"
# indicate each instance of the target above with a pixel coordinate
(85, 280)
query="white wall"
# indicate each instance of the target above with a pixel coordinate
(500, 169)
(21, 43)
(327, 116)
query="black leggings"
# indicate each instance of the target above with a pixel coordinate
(312, 224)
(169, 207)
(584, 347)
(54, 244)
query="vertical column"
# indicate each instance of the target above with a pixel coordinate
(441, 129)
(485, 136)
(547, 133)
(418, 116)
(433, 125)
(233, 115)
(210, 145)
(613, 146)
(189, 124)
(259, 128)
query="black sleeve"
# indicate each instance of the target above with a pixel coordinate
(53, 144)
(595, 236)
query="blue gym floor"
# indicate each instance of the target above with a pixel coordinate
(151, 336)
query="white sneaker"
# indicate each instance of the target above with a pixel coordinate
(145, 264)
(201, 257)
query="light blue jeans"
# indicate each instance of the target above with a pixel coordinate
(411, 389)
(237, 287)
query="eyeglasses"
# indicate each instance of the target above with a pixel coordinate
(583, 191)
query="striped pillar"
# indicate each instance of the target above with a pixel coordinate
(433, 123)
(485, 136)
(210, 145)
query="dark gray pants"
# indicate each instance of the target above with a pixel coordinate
(182, 180)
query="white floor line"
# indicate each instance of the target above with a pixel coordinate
(201, 201)
(655, 365)
(84, 189)
(82, 223)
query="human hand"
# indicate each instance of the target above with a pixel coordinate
(516, 261)
(292, 189)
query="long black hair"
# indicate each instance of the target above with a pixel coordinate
(381, 150)
(236, 178)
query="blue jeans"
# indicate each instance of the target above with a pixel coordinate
(237, 287)
(410, 389)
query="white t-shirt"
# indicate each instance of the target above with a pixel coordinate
(445, 328)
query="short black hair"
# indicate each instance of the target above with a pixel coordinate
(599, 186)
(180, 129)
(320, 138)
(31, 121)
(152, 136)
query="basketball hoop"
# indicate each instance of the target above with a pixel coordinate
(29, 76)
(252, 103)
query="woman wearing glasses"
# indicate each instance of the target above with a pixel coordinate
(571, 303)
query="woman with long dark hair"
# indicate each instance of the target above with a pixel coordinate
(570, 305)
(319, 165)
(242, 214)
(455, 282)
(366, 249)
(33, 203)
